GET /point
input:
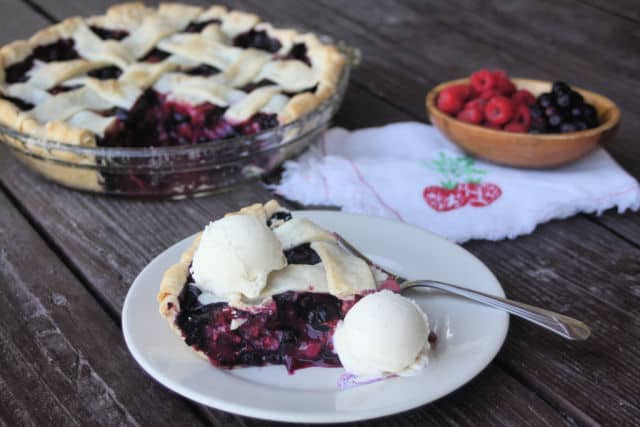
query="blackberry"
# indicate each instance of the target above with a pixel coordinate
(550, 111)
(567, 127)
(576, 99)
(560, 87)
(545, 100)
(555, 120)
(563, 100)
(576, 112)
(536, 111)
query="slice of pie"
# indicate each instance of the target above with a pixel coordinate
(177, 74)
(260, 287)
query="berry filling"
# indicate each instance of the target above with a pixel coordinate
(155, 55)
(279, 216)
(258, 40)
(106, 34)
(196, 27)
(22, 105)
(61, 50)
(202, 70)
(105, 73)
(62, 88)
(294, 330)
(299, 51)
(154, 121)
(302, 254)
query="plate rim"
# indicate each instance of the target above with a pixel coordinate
(308, 417)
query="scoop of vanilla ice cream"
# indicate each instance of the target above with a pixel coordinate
(383, 333)
(235, 256)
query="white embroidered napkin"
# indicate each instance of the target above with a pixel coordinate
(410, 172)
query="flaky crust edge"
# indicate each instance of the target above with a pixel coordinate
(173, 280)
(174, 277)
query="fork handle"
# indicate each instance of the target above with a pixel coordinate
(560, 324)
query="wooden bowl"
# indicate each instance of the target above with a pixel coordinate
(524, 149)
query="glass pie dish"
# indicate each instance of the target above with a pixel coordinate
(183, 170)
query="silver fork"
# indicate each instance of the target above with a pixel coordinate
(560, 324)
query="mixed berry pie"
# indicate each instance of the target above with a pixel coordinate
(177, 74)
(261, 287)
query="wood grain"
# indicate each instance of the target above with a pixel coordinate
(576, 266)
(63, 358)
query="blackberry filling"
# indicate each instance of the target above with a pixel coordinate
(106, 73)
(258, 40)
(250, 87)
(196, 27)
(278, 216)
(202, 70)
(154, 121)
(22, 105)
(266, 82)
(155, 55)
(61, 50)
(106, 34)
(295, 330)
(302, 254)
(299, 51)
(61, 88)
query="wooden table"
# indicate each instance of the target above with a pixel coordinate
(67, 259)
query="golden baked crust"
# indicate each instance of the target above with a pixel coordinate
(147, 27)
(173, 281)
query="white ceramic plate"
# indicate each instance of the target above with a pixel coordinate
(469, 335)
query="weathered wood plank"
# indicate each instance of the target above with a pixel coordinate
(63, 359)
(22, 23)
(627, 9)
(574, 268)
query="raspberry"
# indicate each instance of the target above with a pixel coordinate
(473, 115)
(515, 127)
(487, 95)
(522, 115)
(450, 101)
(476, 103)
(499, 110)
(462, 90)
(523, 96)
(483, 80)
(503, 84)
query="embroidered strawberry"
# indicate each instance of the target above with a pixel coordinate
(443, 199)
(462, 185)
(479, 194)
